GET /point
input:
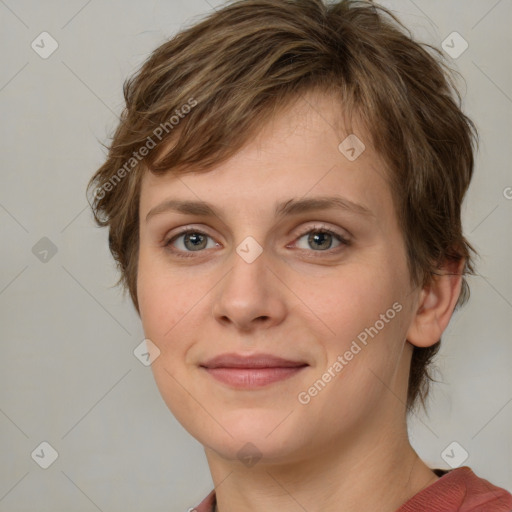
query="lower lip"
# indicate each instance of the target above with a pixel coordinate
(250, 378)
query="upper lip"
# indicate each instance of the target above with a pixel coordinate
(233, 360)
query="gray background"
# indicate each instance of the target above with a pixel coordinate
(68, 373)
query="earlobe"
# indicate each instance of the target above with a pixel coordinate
(436, 305)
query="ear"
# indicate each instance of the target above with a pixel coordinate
(436, 304)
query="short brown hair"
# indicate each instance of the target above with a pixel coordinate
(251, 58)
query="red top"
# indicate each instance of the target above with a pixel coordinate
(458, 490)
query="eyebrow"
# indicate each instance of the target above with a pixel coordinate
(285, 208)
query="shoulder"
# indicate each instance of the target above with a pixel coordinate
(462, 490)
(207, 505)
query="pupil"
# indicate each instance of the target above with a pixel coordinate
(195, 238)
(321, 235)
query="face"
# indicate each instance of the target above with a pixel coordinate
(324, 287)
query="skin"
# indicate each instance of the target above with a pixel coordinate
(347, 449)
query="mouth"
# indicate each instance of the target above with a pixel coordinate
(249, 372)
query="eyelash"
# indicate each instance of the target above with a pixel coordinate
(317, 228)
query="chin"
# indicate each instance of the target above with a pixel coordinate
(255, 451)
(256, 433)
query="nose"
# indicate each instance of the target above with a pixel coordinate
(250, 295)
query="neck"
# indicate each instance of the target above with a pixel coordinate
(344, 477)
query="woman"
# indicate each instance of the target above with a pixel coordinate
(283, 196)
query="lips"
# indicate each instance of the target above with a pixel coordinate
(254, 371)
(252, 361)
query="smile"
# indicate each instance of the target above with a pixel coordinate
(250, 372)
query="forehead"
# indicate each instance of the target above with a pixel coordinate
(303, 150)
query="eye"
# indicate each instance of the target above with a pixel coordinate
(321, 239)
(193, 241)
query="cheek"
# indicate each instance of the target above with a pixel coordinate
(345, 303)
(172, 304)
(371, 331)
(166, 311)
(162, 300)
(363, 314)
